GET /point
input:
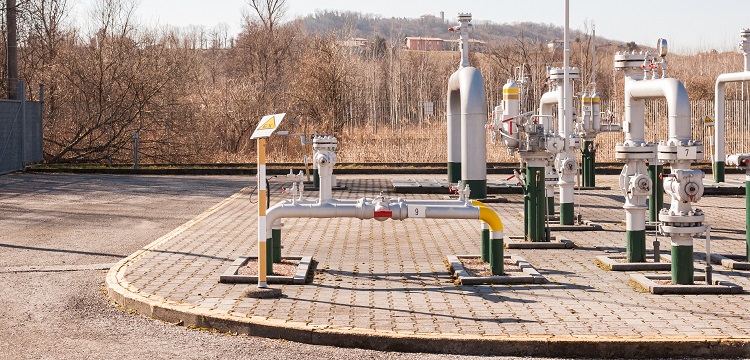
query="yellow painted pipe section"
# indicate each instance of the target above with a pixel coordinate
(261, 151)
(262, 199)
(262, 262)
(489, 216)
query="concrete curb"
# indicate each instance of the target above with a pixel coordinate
(511, 345)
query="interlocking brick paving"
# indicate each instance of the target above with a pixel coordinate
(392, 276)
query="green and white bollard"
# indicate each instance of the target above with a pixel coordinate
(718, 170)
(636, 186)
(635, 233)
(568, 170)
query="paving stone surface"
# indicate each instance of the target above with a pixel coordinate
(391, 275)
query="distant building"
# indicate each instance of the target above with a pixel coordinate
(354, 43)
(424, 43)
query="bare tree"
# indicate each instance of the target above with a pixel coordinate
(270, 12)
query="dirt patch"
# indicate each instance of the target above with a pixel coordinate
(284, 268)
(476, 267)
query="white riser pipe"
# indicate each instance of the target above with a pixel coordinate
(467, 86)
(719, 112)
(678, 106)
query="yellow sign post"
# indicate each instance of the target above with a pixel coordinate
(266, 126)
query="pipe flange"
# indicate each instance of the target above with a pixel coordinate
(625, 61)
(558, 73)
(646, 151)
(687, 230)
(671, 152)
(680, 219)
(325, 142)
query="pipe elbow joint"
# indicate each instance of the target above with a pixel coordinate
(491, 218)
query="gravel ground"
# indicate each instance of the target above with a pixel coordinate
(61, 232)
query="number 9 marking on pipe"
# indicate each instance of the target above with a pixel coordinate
(417, 211)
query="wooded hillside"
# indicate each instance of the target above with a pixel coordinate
(195, 95)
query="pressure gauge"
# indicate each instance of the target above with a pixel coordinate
(661, 47)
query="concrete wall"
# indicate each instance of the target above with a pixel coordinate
(20, 134)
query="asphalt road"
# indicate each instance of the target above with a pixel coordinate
(60, 233)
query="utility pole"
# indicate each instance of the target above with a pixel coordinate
(12, 62)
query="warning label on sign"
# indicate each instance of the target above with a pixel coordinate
(270, 124)
(267, 125)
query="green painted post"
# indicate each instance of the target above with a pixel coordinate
(526, 213)
(718, 170)
(682, 264)
(496, 257)
(541, 214)
(276, 235)
(635, 248)
(269, 255)
(485, 243)
(531, 184)
(588, 160)
(551, 205)
(592, 167)
(454, 172)
(656, 200)
(478, 188)
(567, 213)
(316, 178)
(534, 209)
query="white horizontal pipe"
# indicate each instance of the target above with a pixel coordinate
(364, 210)
(452, 212)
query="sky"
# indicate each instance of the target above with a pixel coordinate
(688, 25)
